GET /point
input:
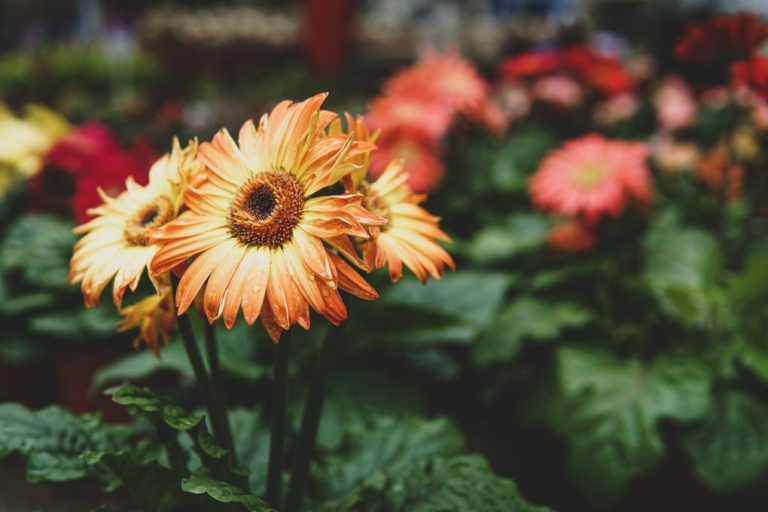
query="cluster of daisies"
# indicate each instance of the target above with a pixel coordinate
(251, 225)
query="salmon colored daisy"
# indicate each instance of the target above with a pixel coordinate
(117, 240)
(409, 238)
(415, 114)
(257, 230)
(592, 176)
(154, 316)
(446, 77)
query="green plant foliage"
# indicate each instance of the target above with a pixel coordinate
(681, 264)
(142, 364)
(749, 293)
(436, 484)
(52, 440)
(519, 233)
(610, 411)
(146, 401)
(729, 449)
(39, 246)
(201, 483)
(527, 318)
(376, 443)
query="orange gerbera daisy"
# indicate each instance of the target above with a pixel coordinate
(592, 176)
(257, 232)
(572, 235)
(117, 241)
(409, 236)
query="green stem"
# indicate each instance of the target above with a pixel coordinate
(310, 421)
(279, 413)
(219, 405)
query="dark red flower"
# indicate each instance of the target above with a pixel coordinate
(88, 158)
(752, 73)
(605, 74)
(724, 37)
(530, 64)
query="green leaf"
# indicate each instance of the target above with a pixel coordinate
(519, 233)
(85, 323)
(436, 484)
(749, 298)
(527, 318)
(680, 268)
(518, 158)
(39, 246)
(376, 443)
(469, 296)
(611, 409)
(146, 401)
(223, 492)
(151, 486)
(144, 363)
(251, 437)
(730, 447)
(52, 440)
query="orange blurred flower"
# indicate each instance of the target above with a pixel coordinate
(416, 114)
(572, 235)
(425, 170)
(719, 173)
(155, 317)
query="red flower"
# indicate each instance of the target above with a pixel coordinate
(424, 168)
(418, 115)
(724, 37)
(605, 74)
(752, 73)
(572, 235)
(592, 176)
(88, 158)
(530, 64)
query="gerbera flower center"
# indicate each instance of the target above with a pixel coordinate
(589, 175)
(267, 209)
(147, 218)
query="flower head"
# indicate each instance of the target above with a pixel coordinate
(723, 38)
(604, 73)
(154, 315)
(117, 243)
(592, 176)
(675, 104)
(422, 165)
(256, 229)
(530, 64)
(415, 114)
(753, 74)
(410, 235)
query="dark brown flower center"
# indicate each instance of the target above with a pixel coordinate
(146, 219)
(267, 209)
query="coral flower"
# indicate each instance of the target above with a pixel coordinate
(752, 73)
(425, 170)
(117, 240)
(724, 37)
(573, 235)
(604, 73)
(410, 235)
(559, 90)
(447, 77)
(417, 114)
(592, 176)
(256, 230)
(154, 315)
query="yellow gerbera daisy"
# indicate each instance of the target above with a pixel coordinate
(257, 231)
(409, 236)
(117, 240)
(154, 315)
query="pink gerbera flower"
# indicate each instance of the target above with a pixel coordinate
(416, 114)
(592, 176)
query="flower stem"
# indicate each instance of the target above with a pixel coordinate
(219, 405)
(279, 413)
(310, 421)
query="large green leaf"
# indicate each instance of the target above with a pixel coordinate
(222, 492)
(519, 233)
(39, 246)
(527, 318)
(436, 484)
(52, 440)
(680, 269)
(730, 447)
(83, 324)
(749, 298)
(382, 443)
(146, 401)
(610, 412)
(142, 364)
(251, 437)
